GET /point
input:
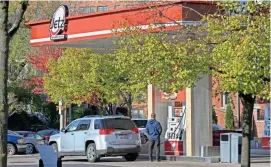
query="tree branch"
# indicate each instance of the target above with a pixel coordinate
(11, 112)
(18, 18)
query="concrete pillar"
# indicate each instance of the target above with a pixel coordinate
(160, 108)
(150, 100)
(199, 116)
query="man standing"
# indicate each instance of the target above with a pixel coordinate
(154, 131)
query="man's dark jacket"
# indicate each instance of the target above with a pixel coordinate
(154, 129)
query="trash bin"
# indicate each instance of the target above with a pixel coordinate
(225, 148)
(230, 147)
(236, 147)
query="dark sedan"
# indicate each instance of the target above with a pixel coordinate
(47, 133)
(32, 139)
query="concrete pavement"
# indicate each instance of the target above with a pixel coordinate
(32, 161)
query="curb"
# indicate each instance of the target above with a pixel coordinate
(184, 158)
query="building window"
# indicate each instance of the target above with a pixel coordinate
(102, 8)
(81, 10)
(260, 115)
(225, 99)
(138, 113)
(87, 10)
(93, 9)
(90, 9)
(117, 6)
(129, 6)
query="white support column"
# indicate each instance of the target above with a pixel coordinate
(199, 116)
(150, 100)
(160, 108)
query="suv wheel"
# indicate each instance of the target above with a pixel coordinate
(131, 157)
(92, 153)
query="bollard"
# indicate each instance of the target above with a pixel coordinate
(41, 163)
(59, 162)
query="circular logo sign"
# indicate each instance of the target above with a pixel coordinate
(58, 22)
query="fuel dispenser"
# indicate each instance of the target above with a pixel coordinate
(174, 137)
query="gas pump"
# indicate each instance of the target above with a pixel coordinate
(174, 137)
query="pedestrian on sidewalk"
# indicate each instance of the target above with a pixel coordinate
(154, 131)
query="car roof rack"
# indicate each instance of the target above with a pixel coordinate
(105, 116)
(88, 116)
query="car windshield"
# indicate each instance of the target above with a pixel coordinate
(22, 133)
(13, 133)
(141, 123)
(118, 123)
(44, 132)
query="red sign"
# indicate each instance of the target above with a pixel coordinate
(174, 147)
(172, 97)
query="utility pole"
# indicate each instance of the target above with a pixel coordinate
(60, 114)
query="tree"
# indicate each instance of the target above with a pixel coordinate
(223, 45)
(6, 32)
(39, 61)
(214, 117)
(83, 76)
(229, 118)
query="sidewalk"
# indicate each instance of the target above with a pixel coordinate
(80, 161)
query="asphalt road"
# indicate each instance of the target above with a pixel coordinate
(32, 161)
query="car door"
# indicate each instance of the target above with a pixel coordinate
(39, 139)
(80, 135)
(67, 137)
(30, 138)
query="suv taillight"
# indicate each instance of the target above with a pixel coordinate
(106, 131)
(135, 130)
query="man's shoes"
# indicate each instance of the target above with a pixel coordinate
(151, 160)
(158, 160)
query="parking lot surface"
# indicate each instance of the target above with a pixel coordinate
(32, 161)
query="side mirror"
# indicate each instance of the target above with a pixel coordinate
(63, 130)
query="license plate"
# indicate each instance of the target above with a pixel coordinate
(123, 136)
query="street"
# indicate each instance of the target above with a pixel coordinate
(32, 161)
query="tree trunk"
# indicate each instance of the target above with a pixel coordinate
(129, 104)
(248, 104)
(4, 48)
(129, 108)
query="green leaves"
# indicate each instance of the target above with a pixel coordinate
(229, 118)
(80, 73)
(232, 45)
(240, 56)
(234, 48)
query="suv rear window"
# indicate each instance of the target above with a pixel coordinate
(114, 123)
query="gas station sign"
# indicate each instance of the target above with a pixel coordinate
(180, 96)
(58, 23)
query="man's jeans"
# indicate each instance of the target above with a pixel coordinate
(151, 146)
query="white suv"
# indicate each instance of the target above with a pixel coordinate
(98, 136)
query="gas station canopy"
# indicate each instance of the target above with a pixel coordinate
(96, 30)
